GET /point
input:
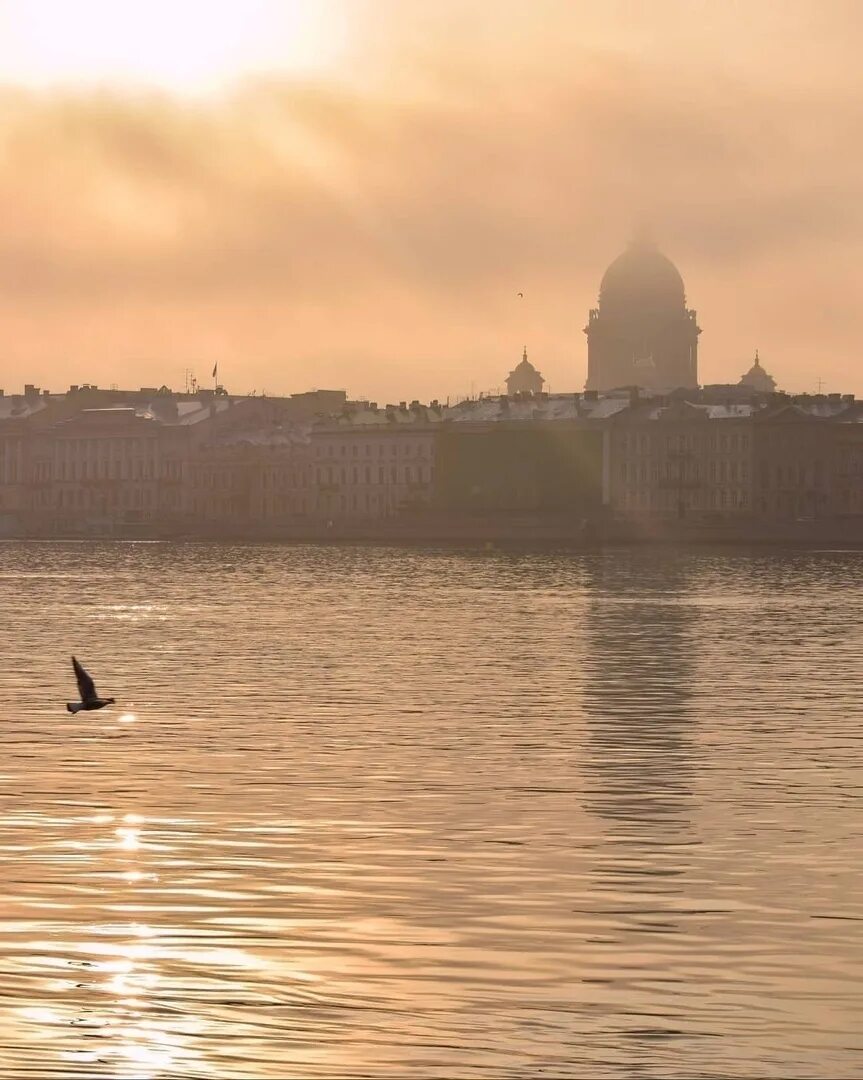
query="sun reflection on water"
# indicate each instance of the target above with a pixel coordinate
(114, 999)
(130, 839)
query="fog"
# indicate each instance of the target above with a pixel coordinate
(371, 228)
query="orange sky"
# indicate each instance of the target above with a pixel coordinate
(353, 198)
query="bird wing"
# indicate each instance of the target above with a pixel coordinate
(86, 686)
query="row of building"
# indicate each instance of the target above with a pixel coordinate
(101, 462)
(643, 443)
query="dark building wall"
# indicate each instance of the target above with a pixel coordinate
(651, 353)
(519, 467)
(807, 467)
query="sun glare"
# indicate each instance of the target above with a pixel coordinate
(183, 46)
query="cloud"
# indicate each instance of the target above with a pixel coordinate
(383, 233)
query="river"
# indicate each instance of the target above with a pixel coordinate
(403, 813)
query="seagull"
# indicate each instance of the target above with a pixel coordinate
(87, 689)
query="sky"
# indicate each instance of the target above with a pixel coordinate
(352, 193)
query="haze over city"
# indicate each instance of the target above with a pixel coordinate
(431, 534)
(354, 194)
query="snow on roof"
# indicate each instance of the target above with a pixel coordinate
(728, 412)
(18, 406)
(201, 410)
(483, 410)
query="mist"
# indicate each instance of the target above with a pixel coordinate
(372, 232)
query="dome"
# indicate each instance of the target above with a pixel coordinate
(642, 279)
(756, 378)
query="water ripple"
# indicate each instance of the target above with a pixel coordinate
(381, 813)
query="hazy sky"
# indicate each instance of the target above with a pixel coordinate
(344, 193)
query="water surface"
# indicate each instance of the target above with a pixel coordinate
(382, 813)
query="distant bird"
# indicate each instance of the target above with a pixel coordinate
(521, 294)
(87, 689)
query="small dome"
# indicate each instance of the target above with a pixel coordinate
(524, 377)
(642, 279)
(756, 378)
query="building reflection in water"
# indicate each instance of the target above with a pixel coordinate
(638, 774)
(637, 701)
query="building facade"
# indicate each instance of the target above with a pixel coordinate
(775, 458)
(374, 463)
(204, 463)
(678, 460)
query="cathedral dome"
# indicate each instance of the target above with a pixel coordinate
(641, 279)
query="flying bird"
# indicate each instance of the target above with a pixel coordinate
(521, 294)
(87, 689)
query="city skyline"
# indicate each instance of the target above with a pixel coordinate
(355, 195)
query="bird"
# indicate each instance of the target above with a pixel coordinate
(521, 294)
(87, 689)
